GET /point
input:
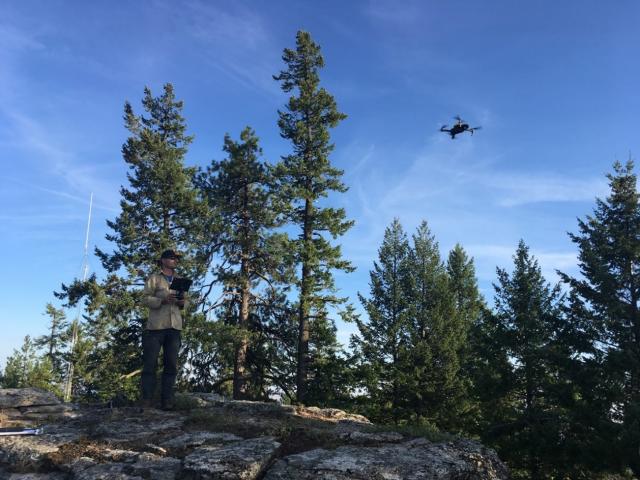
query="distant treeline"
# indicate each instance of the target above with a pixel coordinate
(548, 376)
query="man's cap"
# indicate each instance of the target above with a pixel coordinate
(169, 254)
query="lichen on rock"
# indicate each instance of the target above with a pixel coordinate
(221, 439)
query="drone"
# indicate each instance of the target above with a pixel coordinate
(459, 127)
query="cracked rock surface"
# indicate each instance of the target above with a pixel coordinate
(414, 459)
(211, 438)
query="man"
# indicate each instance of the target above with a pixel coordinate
(162, 331)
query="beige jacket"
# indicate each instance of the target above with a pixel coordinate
(156, 288)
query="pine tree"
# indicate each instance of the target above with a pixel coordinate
(578, 396)
(240, 187)
(527, 312)
(607, 297)
(469, 307)
(383, 337)
(160, 209)
(304, 178)
(55, 341)
(464, 285)
(435, 390)
(274, 351)
(490, 371)
(25, 368)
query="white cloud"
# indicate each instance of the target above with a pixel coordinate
(502, 256)
(389, 11)
(452, 174)
(520, 189)
(43, 149)
(47, 154)
(236, 40)
(468, 198)
(13, 39)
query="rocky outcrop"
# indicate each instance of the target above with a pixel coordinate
(26, 406)
(413, 459)
(210, 438)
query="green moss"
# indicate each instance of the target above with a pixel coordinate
(427, 431)
(185, 402)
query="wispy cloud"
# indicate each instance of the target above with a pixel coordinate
(15, 43)
(64, 194)
(520, 189)
(35, 138)
(39, 219)
(14, 39)
(389, 11)
(471, 198)
(235, 40)
(458, 176)
(490, 256)
(29, 134)
(48, 155)
(503, 255)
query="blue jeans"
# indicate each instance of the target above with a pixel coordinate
(152, 341)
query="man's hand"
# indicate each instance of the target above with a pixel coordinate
(169, 299)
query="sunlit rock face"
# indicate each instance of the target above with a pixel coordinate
(213, 438)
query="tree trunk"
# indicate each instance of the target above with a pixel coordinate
(303, 312)
(68, 384)
(239, 380)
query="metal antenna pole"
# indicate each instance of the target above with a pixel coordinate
(85, 257)
(68, 384)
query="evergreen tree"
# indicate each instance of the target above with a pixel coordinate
(411, 348)
(25, 368)
(56, 340)
(527, 313)
(464, 285)
(160, 209)
(580, 399)
(607, 297)
(382, 339)
(274, 351)
(492, 377)
(435, 390)
(304, 178)
(241, 188)
(469, 307)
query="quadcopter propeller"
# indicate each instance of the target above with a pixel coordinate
(457, 117)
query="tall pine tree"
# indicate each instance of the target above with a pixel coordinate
(25, 368)
(55, 341)
(304, 178)
(160, 209)
(527, 313)
(608, 295)
(468, 306)
(381, 343)
(433, 388)
(241, 188)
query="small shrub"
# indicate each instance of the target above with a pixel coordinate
(427, 431)
(185, 402)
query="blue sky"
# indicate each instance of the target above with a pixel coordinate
(554, 85)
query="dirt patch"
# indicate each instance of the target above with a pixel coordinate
(300, 439)
(72, 451)
(221, 421)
